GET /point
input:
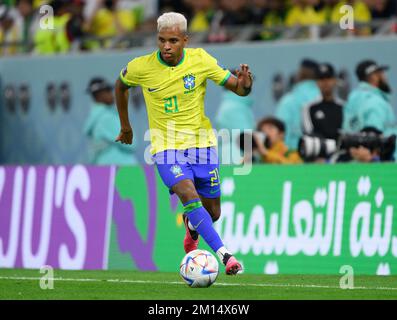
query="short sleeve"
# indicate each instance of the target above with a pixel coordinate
(130, 74)
(215, 72)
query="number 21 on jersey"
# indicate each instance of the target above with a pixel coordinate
(171, 105)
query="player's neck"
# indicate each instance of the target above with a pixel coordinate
(173, 63)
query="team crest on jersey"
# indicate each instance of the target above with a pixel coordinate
(176, 170)
(189, 81)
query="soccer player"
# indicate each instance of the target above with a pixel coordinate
(173, 81)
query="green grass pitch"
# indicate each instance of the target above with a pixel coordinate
(25, 284)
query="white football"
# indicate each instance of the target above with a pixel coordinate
(199, 269)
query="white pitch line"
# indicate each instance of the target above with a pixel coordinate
(215, 284)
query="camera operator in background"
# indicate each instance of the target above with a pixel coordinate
(370, 145)
(363, 154)
(268, 144)
(323, 118)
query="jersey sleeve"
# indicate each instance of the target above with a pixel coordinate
(130, 74)
(214, 71)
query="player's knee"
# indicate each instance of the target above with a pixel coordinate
(185, 192)
(215, 213)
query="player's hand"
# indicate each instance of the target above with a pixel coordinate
(125, 136)
(244, 76)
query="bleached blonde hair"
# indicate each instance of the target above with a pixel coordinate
(170, 20)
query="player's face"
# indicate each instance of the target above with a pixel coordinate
(171, 42)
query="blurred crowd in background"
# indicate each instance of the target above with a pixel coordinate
(312, 123)
(95, 24)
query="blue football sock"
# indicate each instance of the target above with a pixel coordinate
(202, 222)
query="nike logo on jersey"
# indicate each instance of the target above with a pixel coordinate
(152, 89)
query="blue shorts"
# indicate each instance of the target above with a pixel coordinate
(201, 165)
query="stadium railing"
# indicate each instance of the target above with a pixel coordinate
(234, 34)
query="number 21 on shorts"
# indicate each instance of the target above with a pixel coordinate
(214, 177)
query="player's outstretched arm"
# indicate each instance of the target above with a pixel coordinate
(121, 93)
(241, 84)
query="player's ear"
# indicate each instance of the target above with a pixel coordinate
(185, 38)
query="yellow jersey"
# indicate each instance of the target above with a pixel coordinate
(305, 16)
(360, 9)
(174, 97)
(104, 22)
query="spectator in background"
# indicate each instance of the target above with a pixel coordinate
(236, 12)
(369, 104)
(271, 13)
(38, 3)
(289, 108)
(306, 12)
(229, 14)
(202, 15)
(8, 3)
(182, 6)
(269, 144)
(361, 11)
(235, 115)
(361, 14)
(68, 27)
(324, 118)
(102, 125)
(76, 24)
(53, 41)
(108, 20)
(275, 13)
(258, 10)
(28, 21)
(9, 30)
(383, 9)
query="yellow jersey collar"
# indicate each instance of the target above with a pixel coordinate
(166, 64)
